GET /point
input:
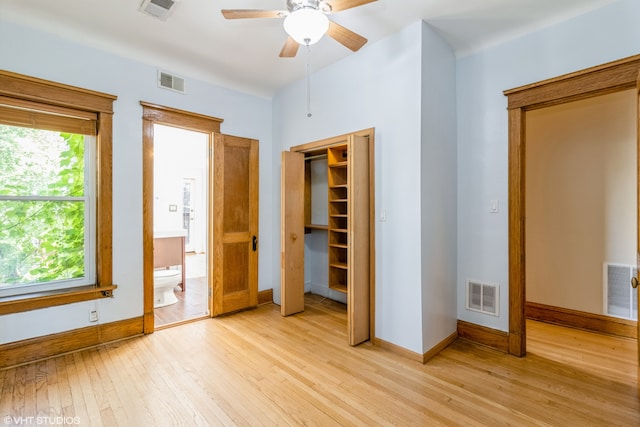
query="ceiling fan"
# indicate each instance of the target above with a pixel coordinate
(305, 22)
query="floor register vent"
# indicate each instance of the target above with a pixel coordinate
(620, 299)
(483, 298)
(171, 82)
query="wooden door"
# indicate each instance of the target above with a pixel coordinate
(235, 224)
(292, 234)
(358, 295)
(634, 281)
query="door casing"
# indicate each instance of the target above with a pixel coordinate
(611, 77)
(156, 114)
(320, 145)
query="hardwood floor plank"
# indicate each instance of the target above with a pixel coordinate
(256, 368)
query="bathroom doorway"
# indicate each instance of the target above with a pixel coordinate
(230, 212)
(180, 200)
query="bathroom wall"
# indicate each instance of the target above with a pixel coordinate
(179, 154)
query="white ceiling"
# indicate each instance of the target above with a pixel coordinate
(196, 41)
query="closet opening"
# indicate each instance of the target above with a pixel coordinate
(328, 228)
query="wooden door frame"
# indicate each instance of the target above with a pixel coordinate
(157, 114)
(600, 80)
(369, 133)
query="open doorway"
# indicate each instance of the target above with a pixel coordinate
(230, 237)
(581, 213)
(581, 231)
(605, 79)
(180, 203)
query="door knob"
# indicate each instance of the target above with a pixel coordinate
(634, 282)
(294, 236)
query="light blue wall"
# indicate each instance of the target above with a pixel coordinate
(47, 56)
(398, 85)
(438, 189)
(375, 87)
(604, 35)
(380, 86)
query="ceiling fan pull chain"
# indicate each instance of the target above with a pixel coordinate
(308, 81)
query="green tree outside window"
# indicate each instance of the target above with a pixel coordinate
(42, 205)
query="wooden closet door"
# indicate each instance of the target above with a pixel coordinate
(358, 295)
(292, 233)
(235, 224)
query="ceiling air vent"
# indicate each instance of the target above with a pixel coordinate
(171, 82)
(160, 9)
(482, 297)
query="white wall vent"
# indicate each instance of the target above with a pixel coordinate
(483, 298)
(170, 81)
(620, 299)
(160, 9)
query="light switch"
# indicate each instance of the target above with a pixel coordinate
(383, 215)
(494, 206)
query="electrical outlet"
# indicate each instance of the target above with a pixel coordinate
(93, 315)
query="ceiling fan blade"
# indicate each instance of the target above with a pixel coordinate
(253, 13)
(345, 36)
(338, 5)
(290, 48)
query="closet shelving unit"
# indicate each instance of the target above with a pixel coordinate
(337, 163)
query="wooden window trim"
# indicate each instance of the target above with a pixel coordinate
(17, 89)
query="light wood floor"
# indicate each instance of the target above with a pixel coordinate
(257, 368)
(192, 303)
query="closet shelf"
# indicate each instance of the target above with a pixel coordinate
(342, 265)
(310, 227)
(339, 287)
(338, 165)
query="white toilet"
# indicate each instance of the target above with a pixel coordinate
(164, 281)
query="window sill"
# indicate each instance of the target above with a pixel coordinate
(20, 303)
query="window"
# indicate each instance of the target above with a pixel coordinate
(55, 194)
(46, 199)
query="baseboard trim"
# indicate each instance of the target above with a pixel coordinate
(33, 349)
(396, 349)
(439, 347)
(265, 297)
(490, 337)
(421, 358)
(581, 320)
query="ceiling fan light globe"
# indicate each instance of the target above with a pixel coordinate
(306, 26)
